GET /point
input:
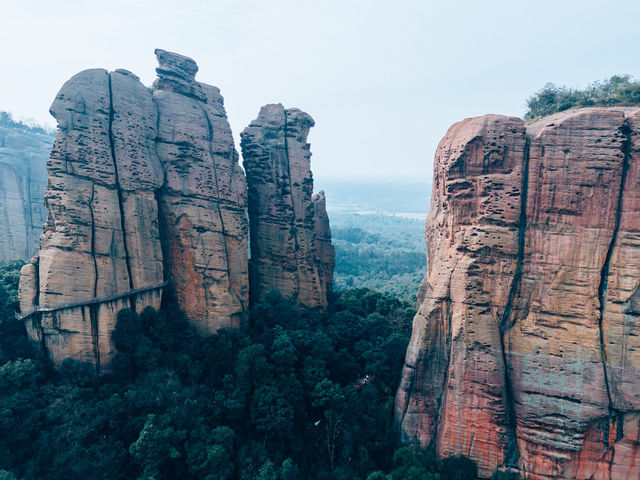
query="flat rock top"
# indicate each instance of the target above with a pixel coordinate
(535, 127)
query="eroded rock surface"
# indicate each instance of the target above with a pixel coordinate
(144, 185)
(23, 180)
(524, 349)
(290, 236)
(325, 253)
(203, 201)
(101, 237)
(146, 196)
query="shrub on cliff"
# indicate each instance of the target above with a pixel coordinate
(617, 90)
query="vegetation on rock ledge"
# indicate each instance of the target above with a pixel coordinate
(618, 90)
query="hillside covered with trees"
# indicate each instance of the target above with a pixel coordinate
(618, 90)
(381, 252)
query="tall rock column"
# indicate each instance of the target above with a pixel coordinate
(287, 233)
(453, 389)
(101, 236)
(571, 343)
(203, 201)
(524, 351)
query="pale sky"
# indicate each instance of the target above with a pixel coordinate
(383, 79)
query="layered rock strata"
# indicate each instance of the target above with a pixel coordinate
(23, 180)
(291, 248)
(144, 185)
(524, 352)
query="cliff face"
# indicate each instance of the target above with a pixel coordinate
(145, 193)
(203, 200)
(291, 248)
(524, 348)
(101, 237)
(23, 179)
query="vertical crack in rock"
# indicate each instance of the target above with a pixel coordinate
(157, 195)
(119, 193)
(522, 229)
(36, 321)
(625, 130)
(93, 317)
(294, 229)
(513, 453)
(218, 198)
(445, 378)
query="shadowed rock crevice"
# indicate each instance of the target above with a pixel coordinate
(119, 193)
(93, 314)
(506, 321)
(446, 304)
(625, 130)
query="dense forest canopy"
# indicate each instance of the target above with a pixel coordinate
(381, 252)
(618, 90)
(302, 394)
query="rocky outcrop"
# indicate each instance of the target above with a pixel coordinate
(146, 196)
(101, 237)
(524, 349)
(203, 201)
(144, 186)
(23, 179)
(291, 250)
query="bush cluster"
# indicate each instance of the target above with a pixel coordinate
(618, 90)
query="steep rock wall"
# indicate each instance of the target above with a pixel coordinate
(145, 196)
(290, 236)
(101, 237)
(140, 182)
(523, 352)
(203, 201)
(23, 179)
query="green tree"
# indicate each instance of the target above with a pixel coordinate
(157, 442)
(617, 90)
(289, 470)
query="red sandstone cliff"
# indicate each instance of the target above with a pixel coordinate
(524, 352)
(145, 192)
(203, 200)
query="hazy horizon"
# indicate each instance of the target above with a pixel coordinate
(383, 82)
